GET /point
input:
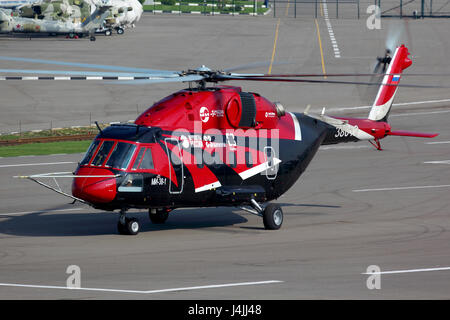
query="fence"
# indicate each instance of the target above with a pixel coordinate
(302, 8)
(415, 8)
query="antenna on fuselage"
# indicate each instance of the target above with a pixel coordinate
(98, 127)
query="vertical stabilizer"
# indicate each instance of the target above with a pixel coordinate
(385, 96)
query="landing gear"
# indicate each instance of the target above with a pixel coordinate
(273, 217)
(158, 216)
(376, 143)
(272, 214)
(128, 226)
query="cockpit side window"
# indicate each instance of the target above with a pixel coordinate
(102, 153)
(90, 152)
(144, 159)
(121, 155)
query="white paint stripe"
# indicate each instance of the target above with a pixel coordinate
(258, 169)
(34, 164)
(403, 188)
(43, 211)
(141, 291)
(297, 129)
(208, 187)
(438, 142)
(438, 162)
(409, 271)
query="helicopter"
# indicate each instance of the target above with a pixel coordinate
(209, 146)
(13, 24)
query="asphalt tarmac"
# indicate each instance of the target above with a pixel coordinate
(354, 207)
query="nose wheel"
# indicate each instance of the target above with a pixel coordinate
(127, 226)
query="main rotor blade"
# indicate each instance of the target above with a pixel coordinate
(88, 65)
(82, 73)
(256, 65)
(188, 78)
(223, 78)
(314, 75)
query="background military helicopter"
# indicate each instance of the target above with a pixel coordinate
(122, 14)
(209, 146)
(9, 23)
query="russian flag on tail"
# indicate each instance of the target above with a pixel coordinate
(395, 78)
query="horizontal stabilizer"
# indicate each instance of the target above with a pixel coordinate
(412, 134)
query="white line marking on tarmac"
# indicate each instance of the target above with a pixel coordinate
(409, 271)
(143, 291)
(438, 162)
(40, 211)
(419, 113)
(437, 142)
(34, 164)
(337, 53)
(403, 188)
(342, 147)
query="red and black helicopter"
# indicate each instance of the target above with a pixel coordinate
(212, 146)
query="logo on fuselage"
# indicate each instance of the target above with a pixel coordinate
(204, 114)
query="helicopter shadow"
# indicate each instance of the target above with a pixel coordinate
(46, 223)
(50, 223)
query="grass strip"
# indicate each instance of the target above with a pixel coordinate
(34, 149)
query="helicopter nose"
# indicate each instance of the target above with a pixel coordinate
(95, 189)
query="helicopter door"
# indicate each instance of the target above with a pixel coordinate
(271, 172)
(175, 161)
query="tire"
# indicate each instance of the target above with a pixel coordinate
(120, 31)
(272, 217)
(159, 217)
(71, 35)
(132, 226)
(92, 38)
(108, 32)
(121, 228)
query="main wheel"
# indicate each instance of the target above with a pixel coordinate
(272, 217)
(158, 217)
(130, 227)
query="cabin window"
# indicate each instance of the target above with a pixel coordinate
(121, 155)
(102, 153)
(90, 152)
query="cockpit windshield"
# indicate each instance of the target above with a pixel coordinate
(102, 153)
(110, 154)
(121, 155)
(90, 152)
